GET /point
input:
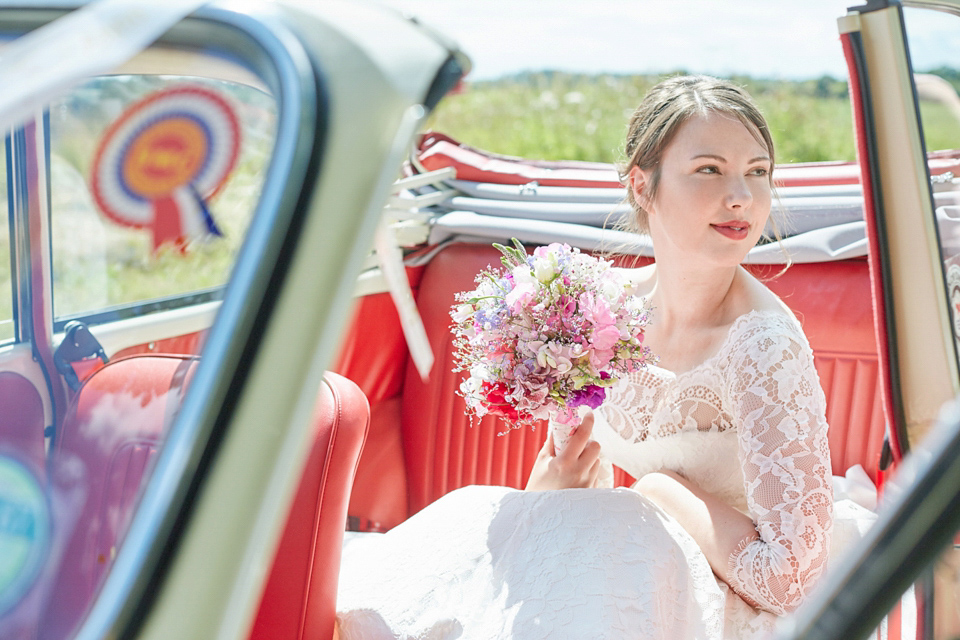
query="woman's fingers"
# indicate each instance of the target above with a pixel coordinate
(548, 447)
(576, 465)
(594, 472)
(579, 439)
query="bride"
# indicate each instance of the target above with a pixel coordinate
(729, 523)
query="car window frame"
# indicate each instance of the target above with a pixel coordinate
(264, 45)
(920, 512)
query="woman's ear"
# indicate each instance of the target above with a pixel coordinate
(639, 185)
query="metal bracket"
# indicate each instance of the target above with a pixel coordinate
(78, 344)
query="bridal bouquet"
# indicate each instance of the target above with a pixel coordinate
(546, 335)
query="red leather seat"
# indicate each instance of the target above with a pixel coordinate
(443, 452)
(108, 438)
(300, 597)
(111, 431)
(21, 418)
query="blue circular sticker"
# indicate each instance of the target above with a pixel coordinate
(24, 530)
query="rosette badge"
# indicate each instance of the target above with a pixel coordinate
(545, 335)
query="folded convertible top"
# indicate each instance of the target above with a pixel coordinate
(495, 197)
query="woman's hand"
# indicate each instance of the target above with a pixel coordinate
(577, 466)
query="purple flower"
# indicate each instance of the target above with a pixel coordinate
(591, 395)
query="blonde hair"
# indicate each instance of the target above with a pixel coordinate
(665, 108)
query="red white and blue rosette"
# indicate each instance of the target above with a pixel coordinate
(161, 161)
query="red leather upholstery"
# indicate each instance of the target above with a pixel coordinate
(373, 354)
(443, 451)
(378, 501)
(21, 418)
(187, 344)
(832, 301)
(110, 433)
(299, 600)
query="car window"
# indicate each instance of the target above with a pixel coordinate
(6, 280)
(115, 240)
(937, 77)
(153, 181)
(935, 54)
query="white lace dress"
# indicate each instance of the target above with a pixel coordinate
(747, 425)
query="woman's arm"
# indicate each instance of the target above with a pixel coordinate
(780, 413)
(718, 528)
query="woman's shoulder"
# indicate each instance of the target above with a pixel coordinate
(759, 297)
(764, 317)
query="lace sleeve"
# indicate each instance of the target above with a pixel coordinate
(779, 408)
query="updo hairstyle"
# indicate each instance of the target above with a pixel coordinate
(662, 112)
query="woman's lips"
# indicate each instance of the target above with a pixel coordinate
(735, 230)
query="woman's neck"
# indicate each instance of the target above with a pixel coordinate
(685, 296)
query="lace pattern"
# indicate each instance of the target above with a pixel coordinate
(763, 381)
(785, 458)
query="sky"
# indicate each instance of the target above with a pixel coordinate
(768, 38)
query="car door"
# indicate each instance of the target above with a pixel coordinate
(330, 99)
(902, 121)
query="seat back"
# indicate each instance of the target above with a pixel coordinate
(832, 301)
(299, 600)
(21, 417)
(108, 438)
(110, 434)
(442, 451)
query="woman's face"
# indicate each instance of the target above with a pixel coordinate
(714, 195)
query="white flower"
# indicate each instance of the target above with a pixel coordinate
(523, 275)
(611, 289)
(545, 267)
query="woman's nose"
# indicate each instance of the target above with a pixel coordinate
(739, 195)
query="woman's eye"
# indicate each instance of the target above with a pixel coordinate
(759, 171)
(708, 169)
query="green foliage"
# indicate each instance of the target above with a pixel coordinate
(547, 115)
(560, 116)
(941, 128)
(949, 74)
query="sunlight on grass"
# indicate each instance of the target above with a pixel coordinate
(558, 116)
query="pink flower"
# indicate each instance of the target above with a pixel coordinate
(554, 357)
(596, 310)
(605, 338)
(551, 250)
(520, 297)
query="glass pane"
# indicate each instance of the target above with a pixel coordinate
(935, 59)
(6, 281)
(116, 242)
(935, 51)
(153, 181)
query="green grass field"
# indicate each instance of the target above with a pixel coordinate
(556, 116)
